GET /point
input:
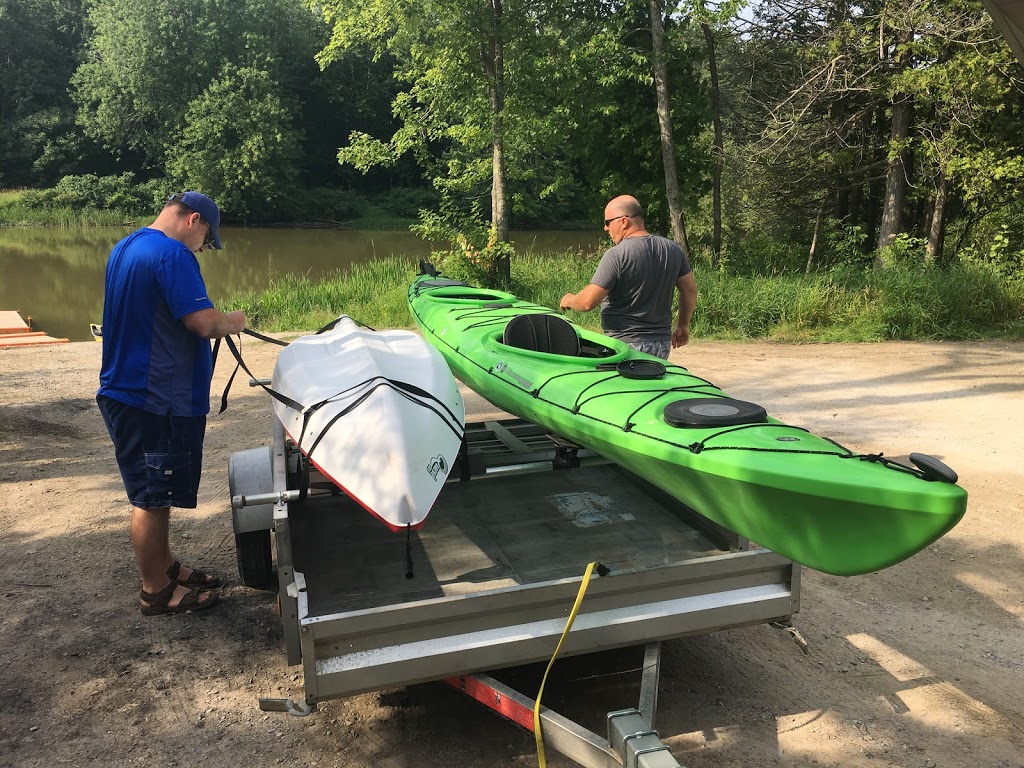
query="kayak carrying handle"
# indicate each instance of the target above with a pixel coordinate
(933, 469)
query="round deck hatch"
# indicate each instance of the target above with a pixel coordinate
(713, 412)
(641, 369)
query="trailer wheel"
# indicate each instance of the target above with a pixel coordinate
(251, 472)
(255, 560)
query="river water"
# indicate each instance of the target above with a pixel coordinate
(56, 275)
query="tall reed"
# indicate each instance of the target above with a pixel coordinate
(14, 213)
(373, 293)
(963, 302)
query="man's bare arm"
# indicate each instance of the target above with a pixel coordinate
(687, 288)
(213, 324)
(585, 300)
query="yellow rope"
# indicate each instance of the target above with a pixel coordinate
(537, 733)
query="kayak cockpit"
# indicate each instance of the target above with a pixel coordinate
(547, 334)
(542, 333)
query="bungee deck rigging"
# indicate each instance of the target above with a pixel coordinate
(669, 369)
(411, 392)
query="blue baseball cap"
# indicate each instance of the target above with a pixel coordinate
(206, 208)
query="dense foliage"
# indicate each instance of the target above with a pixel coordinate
(806, 135)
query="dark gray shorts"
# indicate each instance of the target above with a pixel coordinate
(160, 457)
(657, 348)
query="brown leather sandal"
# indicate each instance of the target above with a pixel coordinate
(197, 579)
(160, 603)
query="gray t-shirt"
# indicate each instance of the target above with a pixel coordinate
(640, 276)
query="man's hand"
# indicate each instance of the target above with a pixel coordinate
(566, 302)
(686, 286)
(236, 320)
(680, 336)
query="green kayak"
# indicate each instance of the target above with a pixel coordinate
(803, 496)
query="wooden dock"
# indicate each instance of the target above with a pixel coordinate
(15, 332)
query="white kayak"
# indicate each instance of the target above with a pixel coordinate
(377, 412)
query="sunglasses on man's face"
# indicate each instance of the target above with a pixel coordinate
(208, 240)
(613, 218)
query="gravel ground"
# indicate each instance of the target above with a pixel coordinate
(920, 665)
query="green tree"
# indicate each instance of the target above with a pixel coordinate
(864, 113)
(482, 104)
(710, 20)
(659, 55)
(146, 60)
(629, 132)
(155, 70)
(803, 127)
(967, 142)
(39, 45)
(353, 94)
(239, 143)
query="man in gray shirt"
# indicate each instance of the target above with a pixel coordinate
(634, 284)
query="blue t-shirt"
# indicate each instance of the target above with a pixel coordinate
(150, 359)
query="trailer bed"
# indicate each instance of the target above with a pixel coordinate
(490, 534)
(496, 568)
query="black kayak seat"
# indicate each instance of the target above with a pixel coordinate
(542, 333)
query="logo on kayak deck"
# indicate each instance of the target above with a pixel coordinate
(502, 368)
(438, 466)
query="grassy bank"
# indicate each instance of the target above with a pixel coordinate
(18, 209)
(90, 201)
(840, 305)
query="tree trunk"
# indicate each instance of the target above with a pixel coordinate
(896, 175)
(872, 211)
(937, 231)
(814, 240)
(499, 194)
(896, 172)
(854, 201)
(668, 145)
(716, 110)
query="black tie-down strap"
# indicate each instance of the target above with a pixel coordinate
(240, 363)
(270, 340)
(410, 392)
(338, 319)
(408, 551)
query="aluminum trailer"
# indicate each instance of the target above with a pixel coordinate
(495, 572)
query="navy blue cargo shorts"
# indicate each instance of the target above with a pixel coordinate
(160, 457)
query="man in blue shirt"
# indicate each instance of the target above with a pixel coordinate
(155, 386)
(635, 281)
